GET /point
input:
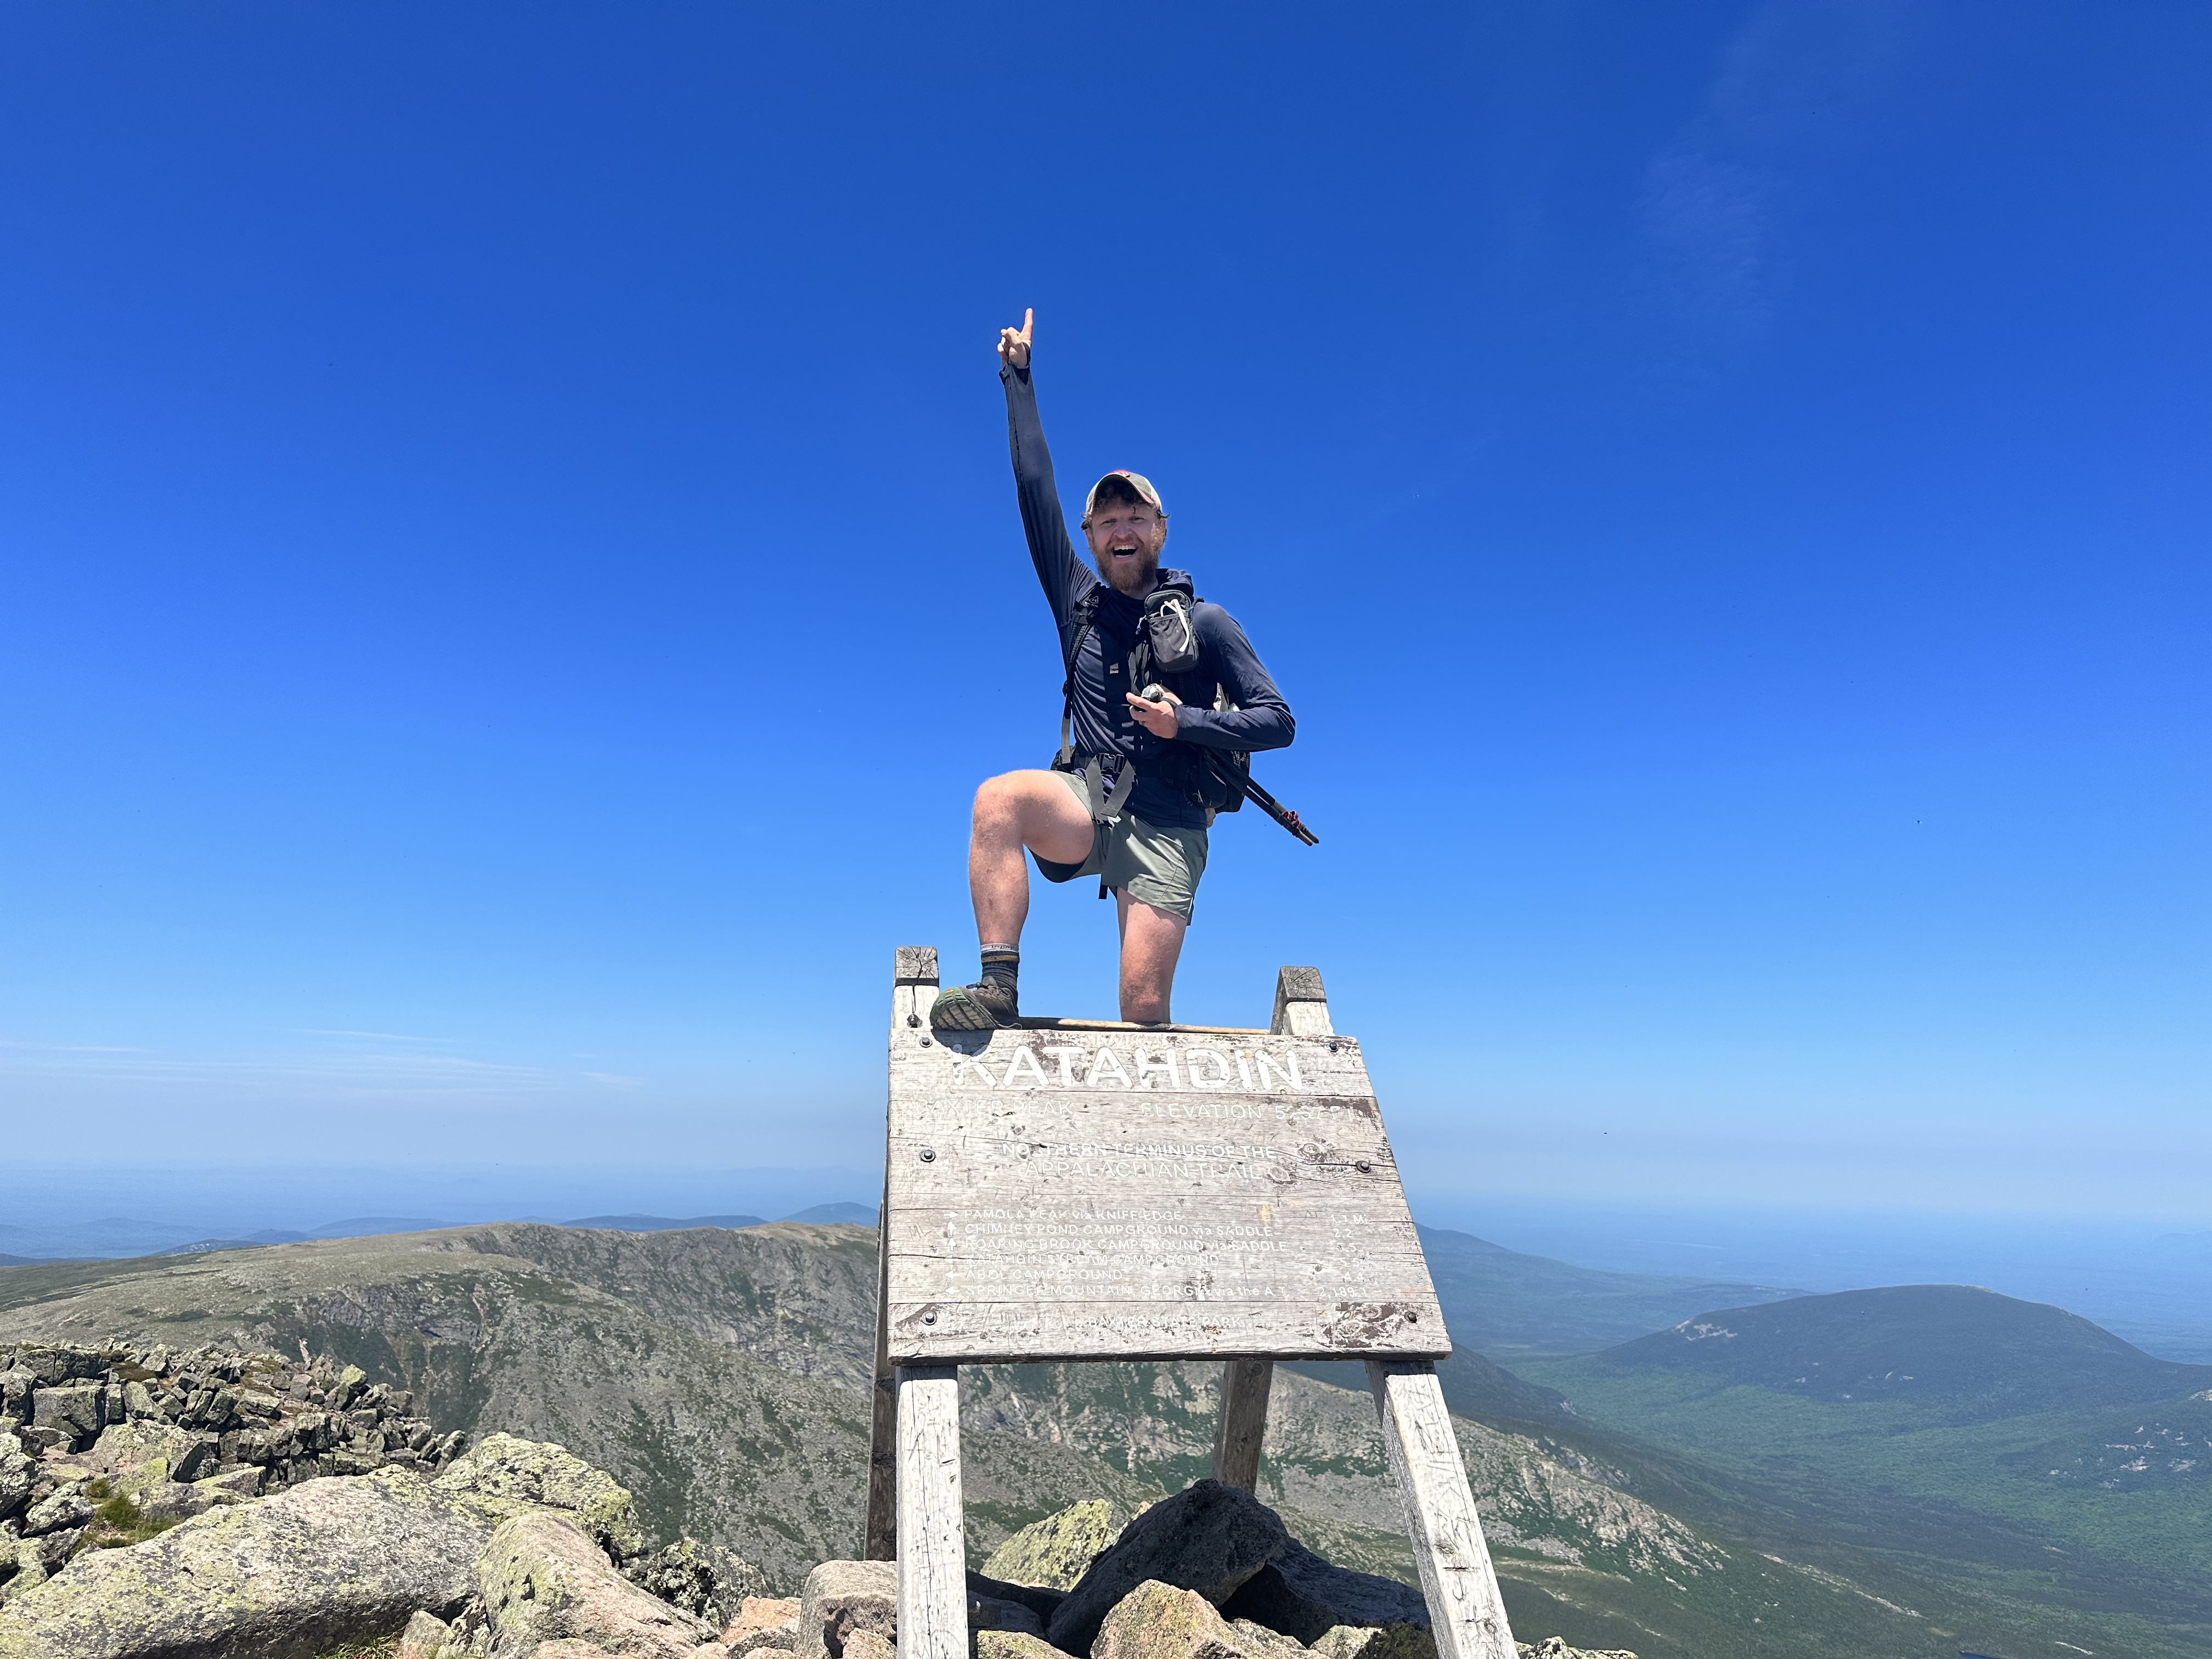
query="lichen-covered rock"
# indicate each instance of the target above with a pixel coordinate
(1161, 1621)
(1054, 1553)
(1271, 1643)
(67, 1508)
(543, 1579)
(18, 1474)
(1554, 1647)
(552, 1477)
(866, 1645)
(842, 1597)
(1376, 1642)
(129, 1449)
(233, 1486)
(73, 1410)
(1209, 1537)
(704, 1579)
(1358, 1614)
(1012, 1644)
(761, 1621)
(328, 1562)
(426, 1636)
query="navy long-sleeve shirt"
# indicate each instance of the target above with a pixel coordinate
(1102, 722)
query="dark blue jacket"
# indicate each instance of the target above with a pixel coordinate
(1103, 723)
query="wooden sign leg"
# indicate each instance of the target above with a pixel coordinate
(932, 1555)
(879, 1539)
(1465, 1609)
(1243, 1423)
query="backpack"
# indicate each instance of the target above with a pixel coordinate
(1167, 648)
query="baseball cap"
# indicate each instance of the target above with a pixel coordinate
(1136, 480)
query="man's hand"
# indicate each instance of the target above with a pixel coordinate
(1014, 343)
(1157, 718)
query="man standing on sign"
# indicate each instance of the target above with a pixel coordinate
(1164, 697)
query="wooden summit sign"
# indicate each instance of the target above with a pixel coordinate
(1078, 1189)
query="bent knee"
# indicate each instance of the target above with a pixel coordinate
(998, 797)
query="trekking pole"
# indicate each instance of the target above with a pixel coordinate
(1252, 792)
(1281, 814)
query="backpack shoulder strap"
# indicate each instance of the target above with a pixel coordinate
(1084, 614)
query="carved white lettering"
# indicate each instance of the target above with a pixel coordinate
(1022, 1066)
(1216, 1074)
(1097, 1078)
(1066, 1057)
(1162, 1062)
(965, 1063)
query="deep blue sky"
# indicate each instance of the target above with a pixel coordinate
(511, 576)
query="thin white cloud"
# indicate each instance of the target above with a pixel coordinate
(365, 1075)
(1798, 78)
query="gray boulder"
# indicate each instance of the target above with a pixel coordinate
(1158, 1621)
(18, 1474)
(67, 1508)
(427, 1637)
(704, 1579)
(1209, 1537)
(763, 1621)
(1307, 1598)
(1041, 1602)
(551, 1476)
(1054, 1553)
(841, 1597)
(72, 1411)
(542, 1579)
(329, 1561)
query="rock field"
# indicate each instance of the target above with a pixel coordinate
(217, 1504)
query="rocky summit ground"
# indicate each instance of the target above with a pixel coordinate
(120, 1547)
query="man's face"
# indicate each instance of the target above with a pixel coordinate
(1126, 540)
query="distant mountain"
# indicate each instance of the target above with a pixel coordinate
(1509, 1305)
(18, 1261)
(857, 1215)
(661, 1223)
(205, 1246)
(2032, 1449)
(369, 1226)
(1966, 1353)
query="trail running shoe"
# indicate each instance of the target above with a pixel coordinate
(980, 1007)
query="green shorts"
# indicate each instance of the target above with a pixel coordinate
(1152, 865)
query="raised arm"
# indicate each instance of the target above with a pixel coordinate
(1064, 576)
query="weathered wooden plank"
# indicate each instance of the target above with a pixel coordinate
(879, 1535)
(1301, 1005)
(1466, 1612)
(932, 1568)
(1056, 1194)
(914, 964)
(1244, 1422)
(1141, 1060)
(1020, 1330)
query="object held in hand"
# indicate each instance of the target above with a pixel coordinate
(1260, 798)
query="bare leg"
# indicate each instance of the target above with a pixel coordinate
(1019, 811)
(1151, 941)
